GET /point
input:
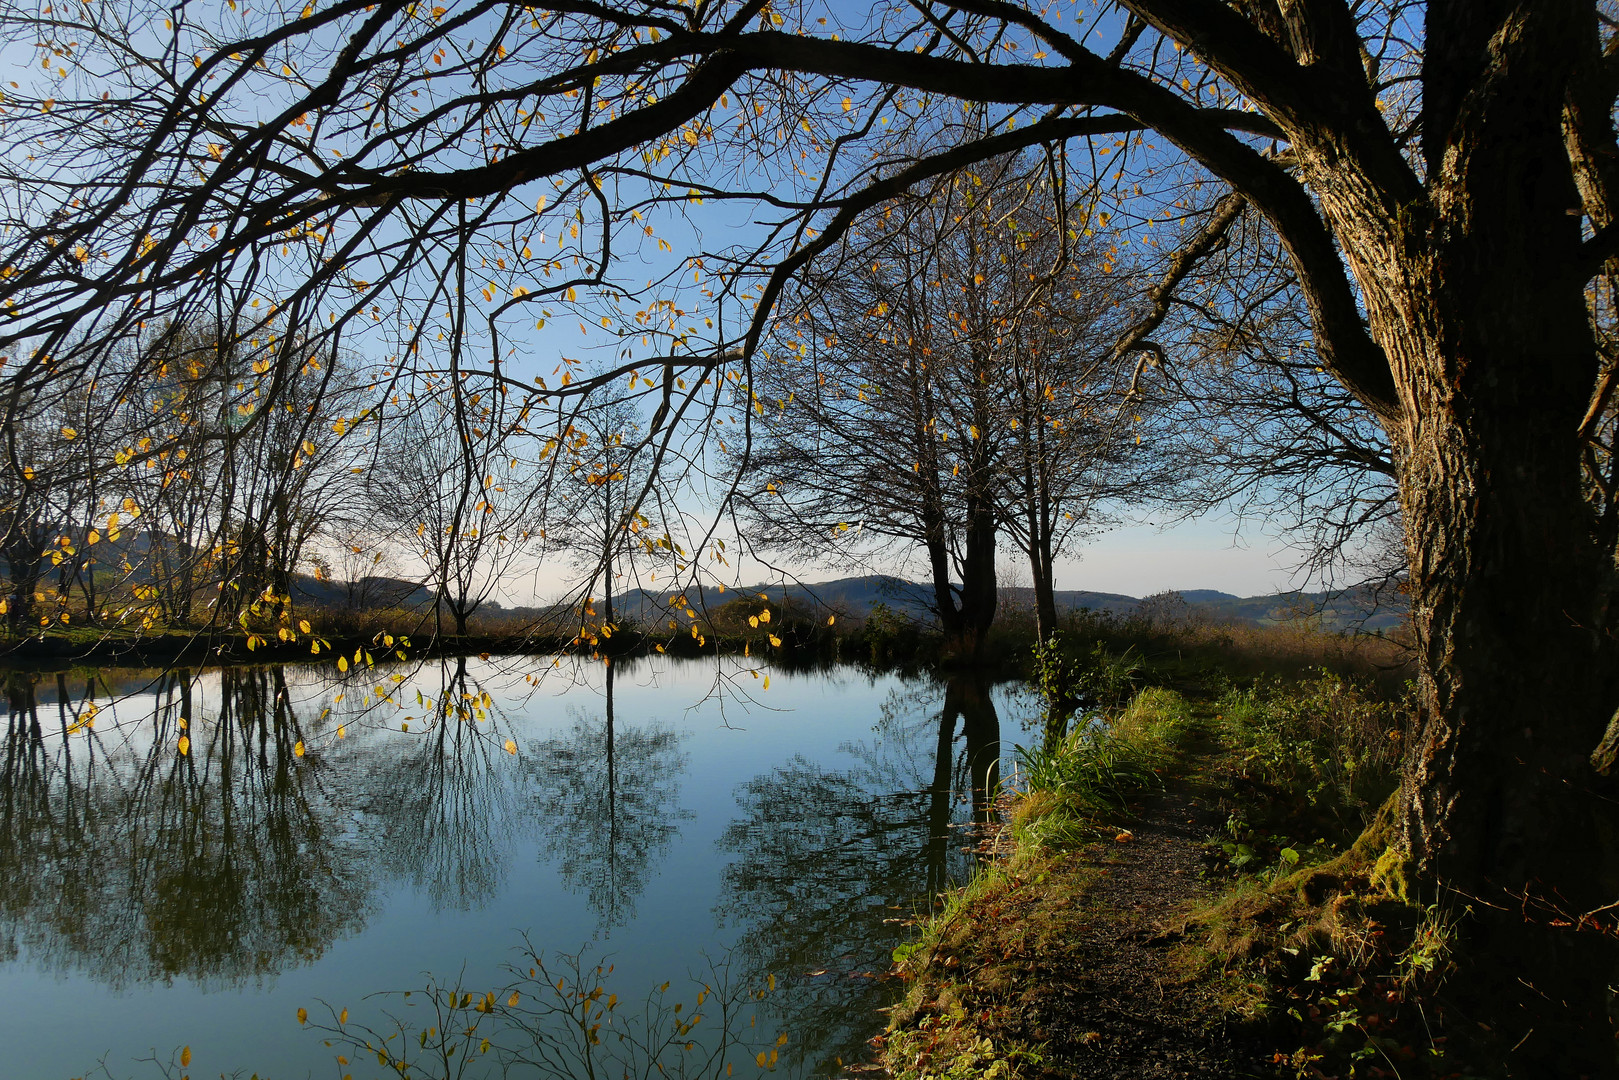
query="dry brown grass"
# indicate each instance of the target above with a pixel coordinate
(1191, 641)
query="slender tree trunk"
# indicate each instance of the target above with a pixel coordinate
(1036, 510)
(978, 586)
(87, 582)
(1045, 592)
(607, 553)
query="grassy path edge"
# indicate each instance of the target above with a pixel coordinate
(1195, 888)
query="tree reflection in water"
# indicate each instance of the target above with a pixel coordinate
(260, 846)
(446, 800)
(136, 863)
(608, 795)
(828, 863)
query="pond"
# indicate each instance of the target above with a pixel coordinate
(563, 852)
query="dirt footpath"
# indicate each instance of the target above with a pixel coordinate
(1068, 955)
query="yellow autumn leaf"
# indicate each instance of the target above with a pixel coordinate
(185, 745)
(691, 137)
(298, 748)
(511, 1002)
(343, 1017)
(185, 1057)
(303, 1016)
(511, 746)
(342, 663)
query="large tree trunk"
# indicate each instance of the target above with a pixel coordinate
(978, 591)
(1503, 809)
(25, 575)
(1493, 363)
(966, 611)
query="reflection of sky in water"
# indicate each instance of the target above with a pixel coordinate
(326, 840)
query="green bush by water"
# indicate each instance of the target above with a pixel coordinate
(1076, 785)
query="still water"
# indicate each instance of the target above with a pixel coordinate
(548, 844)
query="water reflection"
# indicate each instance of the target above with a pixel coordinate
(258, 846)
(446, 802)
(142, 864)
(830, 863)
(305, 801)
(609, 797)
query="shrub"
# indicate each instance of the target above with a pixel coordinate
(1326, 746)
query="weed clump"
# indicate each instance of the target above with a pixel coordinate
(1077, 785)
(1311, 763)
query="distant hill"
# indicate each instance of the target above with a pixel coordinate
(1361, 609)
(133, 548)
(855, 597)
(368, 592)
(846, 597)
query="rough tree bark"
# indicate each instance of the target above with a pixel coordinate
(1476, 352)
(1471, 288)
